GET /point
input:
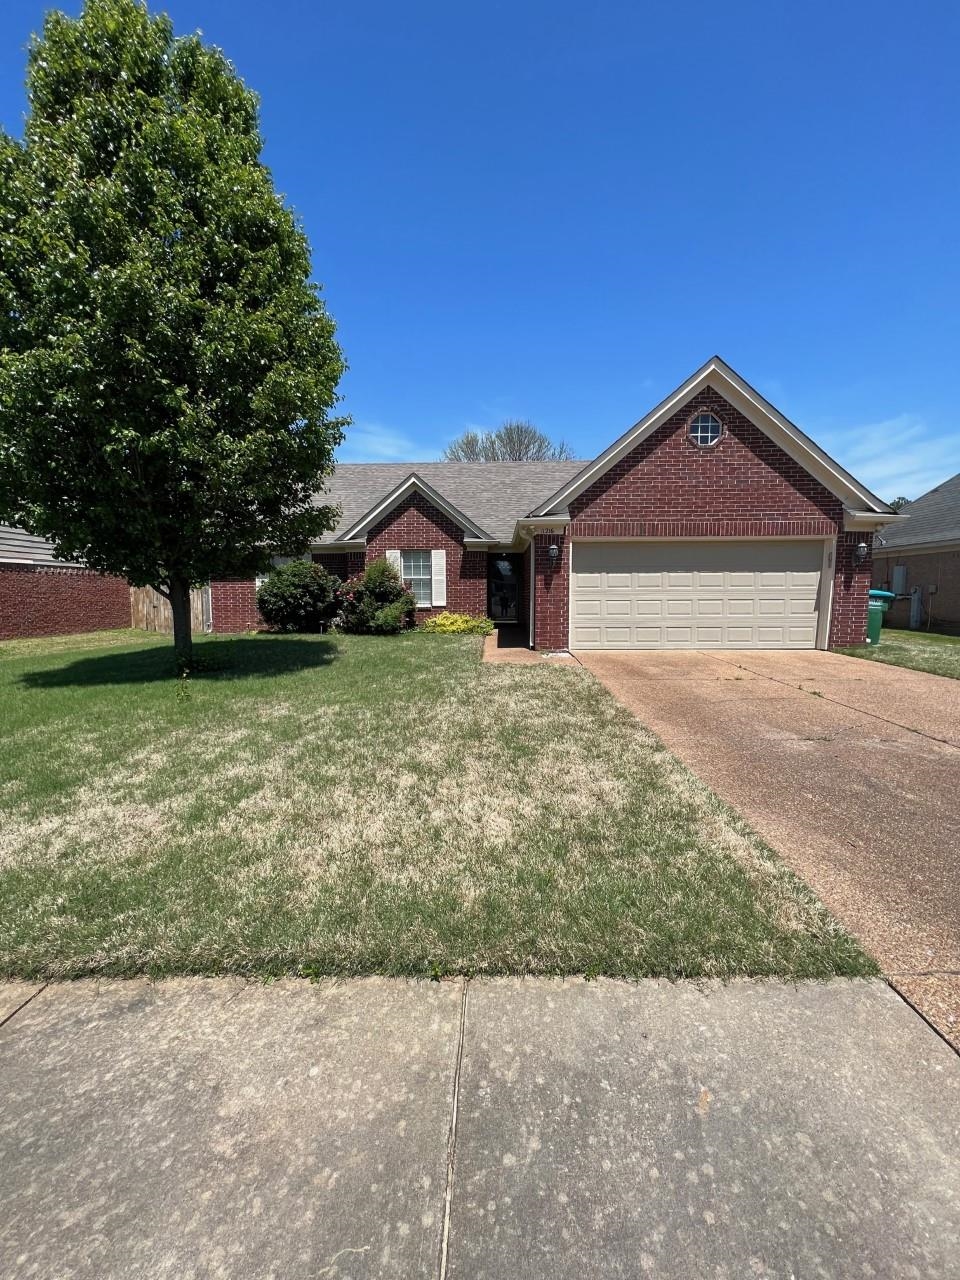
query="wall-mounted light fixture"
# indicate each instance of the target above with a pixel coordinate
(553, 557)
(862, 551)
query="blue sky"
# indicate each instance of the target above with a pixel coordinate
(557, 211)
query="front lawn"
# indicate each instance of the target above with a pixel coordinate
(918, 650)
(362, 805)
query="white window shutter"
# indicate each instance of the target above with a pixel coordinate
(438, 572)
(393, 557)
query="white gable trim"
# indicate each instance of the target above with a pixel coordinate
(413, 484)
(718, 375)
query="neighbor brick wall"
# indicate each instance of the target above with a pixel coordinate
(416, 525)
(935, 568)
(42, 600)
(745, 486)
(233, 604)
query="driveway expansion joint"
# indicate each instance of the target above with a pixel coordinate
(921, 1015)
(837, 702)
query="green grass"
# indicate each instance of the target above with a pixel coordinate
(918, 650)
(363, 805)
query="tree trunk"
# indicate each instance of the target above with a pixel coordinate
(180, 608)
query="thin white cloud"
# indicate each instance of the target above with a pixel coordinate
(373, 442)
(899, 457)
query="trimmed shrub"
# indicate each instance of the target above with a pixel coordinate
(458, 624)
(299, 596)
(376, 602)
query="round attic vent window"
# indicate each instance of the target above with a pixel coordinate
(705, 429)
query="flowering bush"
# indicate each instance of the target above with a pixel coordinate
(299, 596)
(376, 602)
(458, 624)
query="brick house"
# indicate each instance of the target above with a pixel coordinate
(919, 560)
(714, 522)
(43, 596)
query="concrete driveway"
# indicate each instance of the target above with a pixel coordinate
(217, 1130)
(849, 769)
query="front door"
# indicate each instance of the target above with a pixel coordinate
(503, 586)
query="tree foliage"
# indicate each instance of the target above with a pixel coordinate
(167, 369)
(899, 503)
(513, 441)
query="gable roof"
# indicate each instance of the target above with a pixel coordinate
(717, 374)
(19, 547)
(490, 496)
(932, 518)
(415, 484)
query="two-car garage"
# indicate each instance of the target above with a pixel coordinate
(686, 594)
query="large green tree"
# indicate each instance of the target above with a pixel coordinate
(168, 371)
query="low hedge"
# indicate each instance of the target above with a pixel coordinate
(457, 624)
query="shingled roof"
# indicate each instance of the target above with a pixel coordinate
(493, 495)
(934, 517)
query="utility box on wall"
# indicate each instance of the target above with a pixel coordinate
(898, 580)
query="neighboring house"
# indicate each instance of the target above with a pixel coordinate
(919, 559)
(43, 596)
(712, 523)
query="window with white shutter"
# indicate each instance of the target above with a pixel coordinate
(417, 571)
(438, 573)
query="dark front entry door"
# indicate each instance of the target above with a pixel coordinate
(503, 586)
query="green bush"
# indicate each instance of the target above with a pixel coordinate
(299, 596)
(458, 624)
(376, 602)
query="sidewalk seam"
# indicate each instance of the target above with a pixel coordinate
(452, 1136)
(13, 1013)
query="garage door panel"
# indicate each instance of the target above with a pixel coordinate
(746, 594)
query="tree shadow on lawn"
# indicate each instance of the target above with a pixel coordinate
(226, 658)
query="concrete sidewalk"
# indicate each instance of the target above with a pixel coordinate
(500, 1129)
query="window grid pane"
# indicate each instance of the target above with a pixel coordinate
(416, 569)
(705, 429)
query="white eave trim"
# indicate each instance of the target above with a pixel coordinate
(339, 544)
(717, 374)
(867, 520)
(414, 484)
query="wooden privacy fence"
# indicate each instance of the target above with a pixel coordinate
(150, 611)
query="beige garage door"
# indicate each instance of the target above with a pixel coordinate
(695, 595)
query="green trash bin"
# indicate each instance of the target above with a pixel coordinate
(879, 603)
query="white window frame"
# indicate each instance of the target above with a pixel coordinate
(425, 576)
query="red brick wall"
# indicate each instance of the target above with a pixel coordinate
(234, 606)
(40, 600)
(345, 564)
(745, 486)
(551, 593)
(851, 582)
(416, 525)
